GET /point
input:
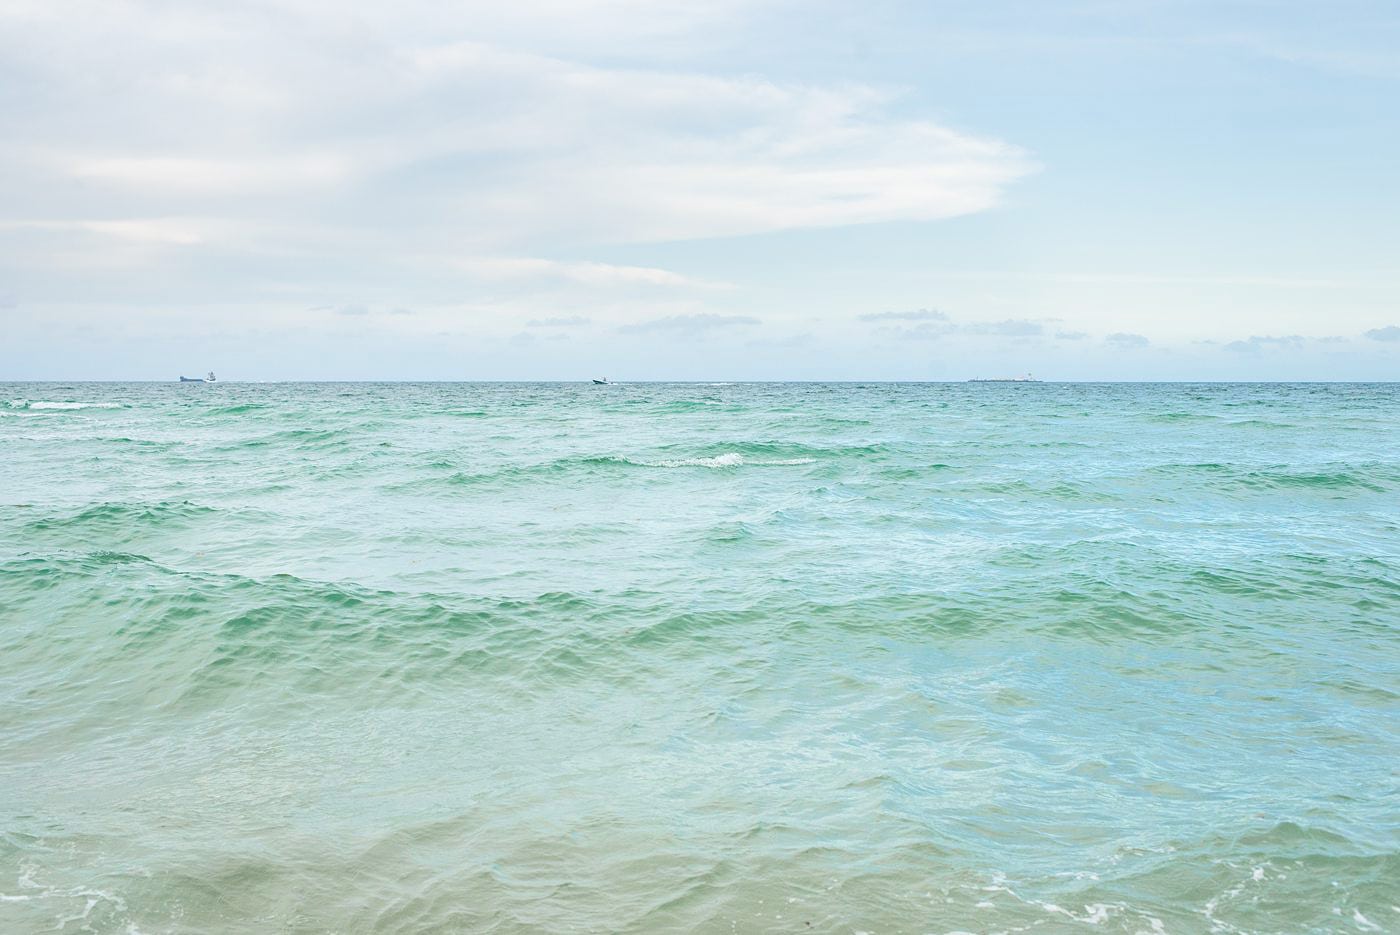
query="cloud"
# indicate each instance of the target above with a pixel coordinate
(573, 321)
(927, 331)
(460, 124)
(1388, 333)
(197, 174)
(1126, 340)
(940, 326)
(923, 314)
(358, 311)
(804, 339)
(169, 231)
(1315, 54)
(583, 273)
(1011, 327)
(689, 324)
(1257, 342)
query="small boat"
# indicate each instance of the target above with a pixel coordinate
(209, 379)
(603, 382)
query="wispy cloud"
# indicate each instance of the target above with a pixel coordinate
(1123, 339)
(1378, 63)
(1257, 342)
(689, 324)
(582, 273)
(573, 321)
(922, 314)
(170, 231)
(1010, 327)
(358, 310)
(804, 339)
(1388, 333)
(508, 138)
(194, 175)
(933, 325)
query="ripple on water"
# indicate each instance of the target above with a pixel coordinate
(787, 658)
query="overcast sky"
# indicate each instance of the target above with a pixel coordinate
(733, 189)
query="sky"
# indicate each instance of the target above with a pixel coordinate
(727, 190)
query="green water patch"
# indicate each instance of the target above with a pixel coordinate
(614, 468)
(125, 519)
(870, 657)
(197, 639)
(1367, 477)
(1379, 481)
(303, 439)
(240, 409)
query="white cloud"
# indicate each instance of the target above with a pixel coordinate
(1011, 327)
(177, 231)
(584, 273)
(433, 124)
(922, 314)
(689, 324)
(570, 321)
(934, 325)
(283, 173)
(1258, 342)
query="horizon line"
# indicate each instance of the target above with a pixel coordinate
(700, 382)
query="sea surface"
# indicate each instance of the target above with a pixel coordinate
(785, 658)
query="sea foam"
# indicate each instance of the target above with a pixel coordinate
(728, 460)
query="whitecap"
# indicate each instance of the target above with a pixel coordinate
(727, 460)
(1364, 922)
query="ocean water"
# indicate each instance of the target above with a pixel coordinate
(714, 658)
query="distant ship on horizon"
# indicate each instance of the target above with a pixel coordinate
(1025, 379)
(209, 379)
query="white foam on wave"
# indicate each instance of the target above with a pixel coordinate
(727, 460)
(1363, 922)
(1094, 913)
(45, 404)
(90, 896)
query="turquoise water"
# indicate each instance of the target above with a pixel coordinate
(718, 658)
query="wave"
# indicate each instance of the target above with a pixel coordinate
(513, 474)
(730, 459)
(238, 409)
(111, 523)
(1372, 477)
(697, 405)
(60, 406)
(299, 438)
